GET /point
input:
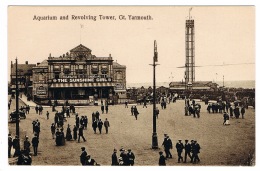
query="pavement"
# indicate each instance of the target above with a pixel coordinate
(217, 141)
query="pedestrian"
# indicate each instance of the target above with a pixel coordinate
(26, 144)
(114, 158)
(77, 121)
(136, 113)
(10, 144)
(37, 109)
(9, 104)
(94, 126)
(75, 132)
(106, 124)
(58, 139)
(167, 143)
(130, 157)
(195, 152)
(47, 114)
(243, 111)
(124, 157)
(40, 110)
(132, 110)
(106, 108)
(97, 115)
(53, 130)
(81, 133)
(68, 133)
(102, 108)
(187, 148)
(16, 146)
(85, 122)
(144, 105)
(83, 156)
(162, 159)
(231, 111)
(35, 143)
(93, 116)
(179, 147)
(100, 125)
(27, 108)
(126, 104)
(37, 128)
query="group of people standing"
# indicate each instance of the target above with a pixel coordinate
(127, 158)
(191, 150)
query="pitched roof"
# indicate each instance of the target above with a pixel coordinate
(117, 65)
(80, 48)
(22, 68)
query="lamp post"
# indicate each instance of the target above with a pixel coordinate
(16, 99)
(154, 135)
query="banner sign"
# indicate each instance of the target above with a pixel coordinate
(81, 80)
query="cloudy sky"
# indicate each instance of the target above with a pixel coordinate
(223, 35)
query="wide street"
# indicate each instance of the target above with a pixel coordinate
(220, 145)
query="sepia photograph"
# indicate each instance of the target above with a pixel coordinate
(131, 86)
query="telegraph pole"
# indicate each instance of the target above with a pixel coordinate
(154, 136)
(16, 98)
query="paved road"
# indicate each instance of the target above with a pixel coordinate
(221, 145)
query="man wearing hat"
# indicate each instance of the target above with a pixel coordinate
(35, 142)
(124, 156)
(187, 148)
(131, 157)
(83, 156)
(26, 144)
(114, 158)
(167, 143)
(162, 159)
(81, 133)
(179, 146)
(195, 152)
(16, 146)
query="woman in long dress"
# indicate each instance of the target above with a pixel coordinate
(68, 134)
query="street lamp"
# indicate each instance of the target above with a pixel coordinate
(16, 99)
(154, 135)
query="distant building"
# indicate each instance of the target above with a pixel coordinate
(24, 76)
(198, 85)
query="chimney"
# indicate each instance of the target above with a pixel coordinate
(110, 55)
(26, 62)
(38, 63)
(12, 64)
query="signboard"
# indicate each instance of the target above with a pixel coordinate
(81, 80)
(41, 90)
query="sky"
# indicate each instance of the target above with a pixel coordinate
(223, 35)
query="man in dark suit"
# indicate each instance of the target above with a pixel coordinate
(167, 143)
(83, 156)
(35, 143)
(179, 147)
(162, 159)
(114, 159)
(131, 157)
(187, 148)
(81, 128)
(195, 152)
(100, 125)
(16, 146)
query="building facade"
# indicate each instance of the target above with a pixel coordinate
(78, 77)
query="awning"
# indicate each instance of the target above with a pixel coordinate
(61, 85)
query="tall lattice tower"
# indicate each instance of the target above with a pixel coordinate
(190, 50)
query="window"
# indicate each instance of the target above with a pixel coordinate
(66, 69)
(94, 69)
(56, 68)
(104, 69)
